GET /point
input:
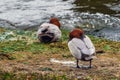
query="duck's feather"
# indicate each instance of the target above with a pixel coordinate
(74, 49)
(89, 44)
(79, 47)
(49, 28)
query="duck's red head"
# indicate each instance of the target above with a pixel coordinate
(76, 33)
(55, 21)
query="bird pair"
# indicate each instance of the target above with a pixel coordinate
(79, 44)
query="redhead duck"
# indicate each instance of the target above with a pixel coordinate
(80, 46)
(49, 32)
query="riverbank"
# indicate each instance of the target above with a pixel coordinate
(22, 57)
(99, 18)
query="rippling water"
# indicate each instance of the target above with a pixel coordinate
(97, 17)
(27, 13)
(111, 7)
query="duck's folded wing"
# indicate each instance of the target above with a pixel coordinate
(74, 50)
(43, 27)
(55, 30)
(77, 47)
(89, 44)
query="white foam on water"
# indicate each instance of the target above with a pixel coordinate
(31, 12)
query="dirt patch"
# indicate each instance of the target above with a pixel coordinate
(105, 67)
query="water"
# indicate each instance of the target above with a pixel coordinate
(111, 7)
(31, 13)
(97, 17)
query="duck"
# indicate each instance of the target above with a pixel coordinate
(49, 32)
(81, 47)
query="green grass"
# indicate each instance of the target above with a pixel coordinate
(27, 41)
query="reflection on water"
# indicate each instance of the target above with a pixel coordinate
(111, 7)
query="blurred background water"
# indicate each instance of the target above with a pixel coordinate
(100, 18)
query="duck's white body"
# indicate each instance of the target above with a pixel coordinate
(51, 28)
(78, 47)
